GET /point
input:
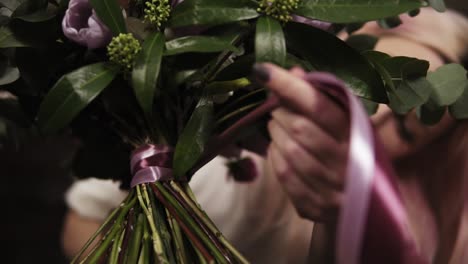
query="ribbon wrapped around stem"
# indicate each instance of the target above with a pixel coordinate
(151, 163)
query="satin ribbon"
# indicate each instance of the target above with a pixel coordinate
(359, 174)
(151, 163)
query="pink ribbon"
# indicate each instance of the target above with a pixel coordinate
(360, 170)
(151, 163)
(363, 227)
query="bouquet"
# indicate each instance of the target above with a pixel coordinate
(154, 89)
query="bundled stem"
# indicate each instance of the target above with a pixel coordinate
(160, 223)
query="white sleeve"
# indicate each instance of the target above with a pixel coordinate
(256, 217)
(94, 198)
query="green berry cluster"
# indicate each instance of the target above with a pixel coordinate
(123, 49)
(157, 12)
(279, 9)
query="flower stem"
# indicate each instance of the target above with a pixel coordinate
(145, 256)
(129, 228)
(213, 236)
(213, 70)
(157, 243)
(192, 237)
(237, 112)
(192, 202)
(181, 256)
(107, 240)
(229, 135)
(101, 228)
(160, 217)
(135, 240)
(116, 248)
(193, 225)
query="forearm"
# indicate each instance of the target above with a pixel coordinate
(76, 232)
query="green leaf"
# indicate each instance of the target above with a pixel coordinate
(212, 12)
(371, 107)
(430, 113)
(63, 5)
(449, 83)
(415, 68)
(198, 44)
(224, 87)
(438, 5)
(28, 7)
(390, 22)
(270, 45)
(375, 56)
(38, 16)
(8, 39)
(293, 61)
(146, 71)
(72, 93)
(5, 14)
(459, 109)
(328, 53)
(405, 81)
(401, 68)
(352, 11)
(193, 139)
(362, 42)
(10, 75)
(110, 13)
(410, 94)
(137, 28)
(11, 4)
(238, 69)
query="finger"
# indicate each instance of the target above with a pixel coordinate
(305, 200)
(300, 96)
(297, 71)
(307, 167)
(312, 137)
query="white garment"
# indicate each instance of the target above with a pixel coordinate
(256, 217)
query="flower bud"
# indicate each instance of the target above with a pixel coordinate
(279, 9)
(82, 25)
(157, 12)
(123, 49)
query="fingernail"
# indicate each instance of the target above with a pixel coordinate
(261, 73)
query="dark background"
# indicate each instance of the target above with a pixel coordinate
(34, 179)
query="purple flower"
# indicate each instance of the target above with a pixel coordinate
(82, 25)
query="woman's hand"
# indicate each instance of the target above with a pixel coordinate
(309, 147)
